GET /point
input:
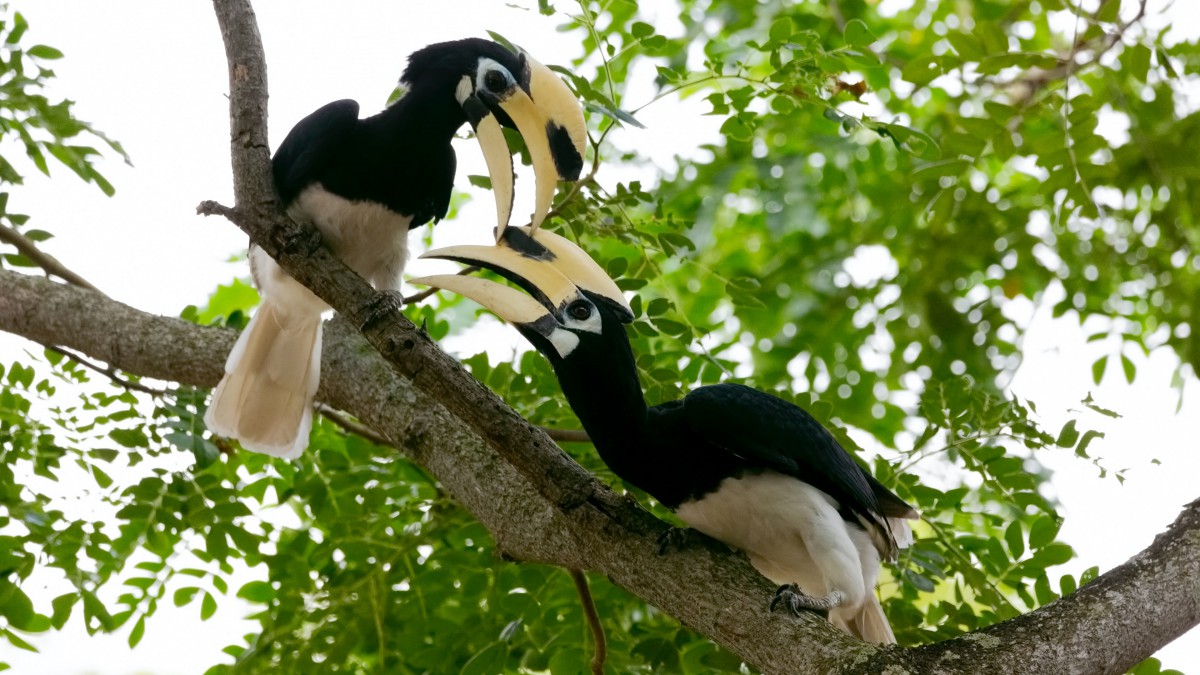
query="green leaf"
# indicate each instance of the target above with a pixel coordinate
(1068, 435)
(1015, 539)
(1129, 369)
(1043, 531)
(1098, 369)
(640, 29)
(208, 606)
(1109, 11)
(15, 605)
(62, 609)
(1088, 437)
(504, 42)
(44, 52)
(257, 591)
(184, 595)
(968, 46)
(781, 29)
(1139, 61)
(478, 181)
(139, 629)
(857, 34)
(614, 113)
(1052, 554)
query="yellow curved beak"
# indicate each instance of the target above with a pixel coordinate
(550, 268)
(499, 163)
(550, 120)
(508, 303)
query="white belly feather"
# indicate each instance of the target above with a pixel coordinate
(792, 533)
(370, 238)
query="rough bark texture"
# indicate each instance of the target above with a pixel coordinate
(540, 505)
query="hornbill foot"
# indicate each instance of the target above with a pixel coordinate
(383, 306)
(674, 539)
(795, 600)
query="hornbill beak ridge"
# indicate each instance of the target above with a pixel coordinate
(548, 117)
(551, 269)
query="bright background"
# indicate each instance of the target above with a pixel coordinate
(153, 76)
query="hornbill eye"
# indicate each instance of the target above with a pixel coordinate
(579, 311)
(495, 81)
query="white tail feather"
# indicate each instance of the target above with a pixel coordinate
(870, 623)
(265, 399)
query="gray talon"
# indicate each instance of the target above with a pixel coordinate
(796, 600)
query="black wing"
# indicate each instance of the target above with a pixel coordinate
(771, 433)
(310, 146)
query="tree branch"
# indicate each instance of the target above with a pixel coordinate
(1107, 626)
(26, 247)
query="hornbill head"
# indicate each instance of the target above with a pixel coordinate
(570, 297)
(497, 87)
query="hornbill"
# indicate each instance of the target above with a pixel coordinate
(742, 466)
(364, 184)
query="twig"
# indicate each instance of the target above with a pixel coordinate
(567, 435)
(351, 426)
(417, 297)
(26, 247)
(212, 208)
(593, 619)
(107, 371)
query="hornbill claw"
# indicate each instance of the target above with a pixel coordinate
(383, 306)
(796, 600)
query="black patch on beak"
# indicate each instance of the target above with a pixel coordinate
(523, 74)
(475, 110)
(526, 245)
(566, 158)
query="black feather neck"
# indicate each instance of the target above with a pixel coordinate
(427, 116)
(600, 381)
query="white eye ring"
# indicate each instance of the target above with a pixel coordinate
(492, 77)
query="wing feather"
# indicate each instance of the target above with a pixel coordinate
(771, 433)
(310, 147)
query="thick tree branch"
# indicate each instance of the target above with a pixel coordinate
(1105, 627)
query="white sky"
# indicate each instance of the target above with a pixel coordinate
(153, 76)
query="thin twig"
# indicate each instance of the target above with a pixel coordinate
(351, 426)
(26, 247)
(108, 372)
(593, 620)
(417, 297)
(567, 435)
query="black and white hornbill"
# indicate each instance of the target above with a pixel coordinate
(364, 183)
(742, 466)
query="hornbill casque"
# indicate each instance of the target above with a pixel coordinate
(364, 183)
(744, 467)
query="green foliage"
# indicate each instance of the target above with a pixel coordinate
(42, 128)
(887, 190)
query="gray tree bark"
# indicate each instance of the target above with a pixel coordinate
(541, 506)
